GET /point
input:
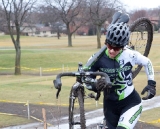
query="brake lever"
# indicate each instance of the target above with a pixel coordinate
(57, 94)
(98, 95)
(57, 87)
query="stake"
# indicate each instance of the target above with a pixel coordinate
(28, 109)
(44, 118)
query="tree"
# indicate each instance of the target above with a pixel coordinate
(100, 11)
(16, 12)
(2, 20)
(138, 14)
(50, 16)
(72, 13)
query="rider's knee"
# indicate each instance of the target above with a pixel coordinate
(120, 127)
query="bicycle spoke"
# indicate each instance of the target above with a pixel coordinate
(141, 39)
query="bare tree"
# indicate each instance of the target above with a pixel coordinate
(137, 14)
(50, 16)
(72, 13)
(100, 11)
(16, 12)
(1, 19)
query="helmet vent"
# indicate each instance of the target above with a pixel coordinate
(115, 29)
(124, 39)
(115, 38)
(118, 32)
(119, 39)
(111, 35)
(123, 32)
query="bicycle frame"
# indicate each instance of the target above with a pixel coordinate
(77, 92)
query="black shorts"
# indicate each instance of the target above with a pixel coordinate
(114, 109)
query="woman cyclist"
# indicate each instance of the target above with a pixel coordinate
(122, 106)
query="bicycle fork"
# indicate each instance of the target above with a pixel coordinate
(72, 98)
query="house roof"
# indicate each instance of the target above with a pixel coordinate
(44, 28)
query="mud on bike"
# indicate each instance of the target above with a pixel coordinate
(140, 40)
(77, 94)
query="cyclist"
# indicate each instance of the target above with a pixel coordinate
(122, 106)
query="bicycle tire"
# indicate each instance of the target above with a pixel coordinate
(76, 114)
(141, 42)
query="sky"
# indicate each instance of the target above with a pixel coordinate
(140, 4)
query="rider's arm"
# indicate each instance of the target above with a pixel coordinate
(151, 85)
(144, 61)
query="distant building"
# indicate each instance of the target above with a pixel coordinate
(154, 19)
(33, 30)
(44, 32)
(1, 33)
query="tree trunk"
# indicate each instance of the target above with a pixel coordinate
(58, 32)
(69, 36)
(98, 37)
(17, 61)
(69, 40)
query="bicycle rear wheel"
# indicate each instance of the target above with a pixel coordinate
(141, 39)
(76, 109)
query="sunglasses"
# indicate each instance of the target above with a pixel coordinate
(114, 48)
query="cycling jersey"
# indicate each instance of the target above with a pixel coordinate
(119, 69)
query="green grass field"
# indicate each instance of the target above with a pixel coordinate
(51, 56)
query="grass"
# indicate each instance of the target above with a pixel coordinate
(151, 116)
(9, 120)
(51, 55)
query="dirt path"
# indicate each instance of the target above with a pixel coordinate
(54, 113)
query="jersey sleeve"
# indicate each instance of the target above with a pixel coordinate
(144, 61)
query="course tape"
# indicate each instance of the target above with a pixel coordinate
(43, 69)
(41, 103)
(151, 122)
(48, 70)
(154, 122)
(8, 114)
(56, 104)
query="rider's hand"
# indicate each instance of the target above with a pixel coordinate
(101, 84)
(151, 89)
(90, 83)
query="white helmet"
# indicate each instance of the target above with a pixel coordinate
(118, 34)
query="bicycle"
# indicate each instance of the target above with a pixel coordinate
(77, 90)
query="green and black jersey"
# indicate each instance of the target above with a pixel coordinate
(119, 70)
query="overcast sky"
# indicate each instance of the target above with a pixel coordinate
(141, 4)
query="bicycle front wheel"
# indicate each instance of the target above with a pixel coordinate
(76, 109)
(141, 39)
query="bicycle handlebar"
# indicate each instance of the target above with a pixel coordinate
(57, 83)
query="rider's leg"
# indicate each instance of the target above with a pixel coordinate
(110, 117)
(119, 127)
(109, 125)
(130, 117)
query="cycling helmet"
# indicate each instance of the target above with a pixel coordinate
(118, 34)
